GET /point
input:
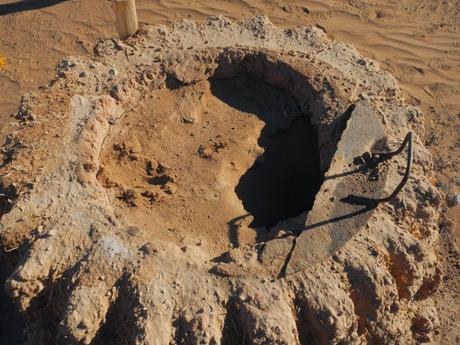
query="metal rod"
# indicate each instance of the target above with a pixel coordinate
(410, 154)
(387, 155)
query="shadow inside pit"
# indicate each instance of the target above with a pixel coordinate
(283, 182)
(12, 323)
(119, 327)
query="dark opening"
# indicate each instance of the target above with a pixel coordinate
(12, 323)
(8, 195)
(283, 182)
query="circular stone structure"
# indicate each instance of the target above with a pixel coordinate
(195, 185)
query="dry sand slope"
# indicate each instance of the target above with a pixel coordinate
(417, 41)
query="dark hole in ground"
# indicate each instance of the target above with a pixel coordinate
(283, 182)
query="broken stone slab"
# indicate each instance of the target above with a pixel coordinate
(332, 222)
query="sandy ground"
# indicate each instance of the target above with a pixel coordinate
(417, 41)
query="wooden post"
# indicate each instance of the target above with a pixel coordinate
(126, 17)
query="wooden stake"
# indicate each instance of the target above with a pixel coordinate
(126, 17)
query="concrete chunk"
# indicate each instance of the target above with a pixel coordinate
(332, 222)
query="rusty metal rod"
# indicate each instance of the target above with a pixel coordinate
(410, 154)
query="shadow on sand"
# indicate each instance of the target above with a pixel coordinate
(27, 5)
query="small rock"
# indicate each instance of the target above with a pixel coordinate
(188, 118)
(132, 230)
(453, 200)
(205, 152)
(148, 249)
(129, 197)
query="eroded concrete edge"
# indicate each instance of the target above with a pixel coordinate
(324, 235)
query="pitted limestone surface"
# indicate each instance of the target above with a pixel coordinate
(133, 208)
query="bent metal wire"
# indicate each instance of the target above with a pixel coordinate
(387, 155)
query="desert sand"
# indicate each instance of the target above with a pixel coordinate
(417, 42)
